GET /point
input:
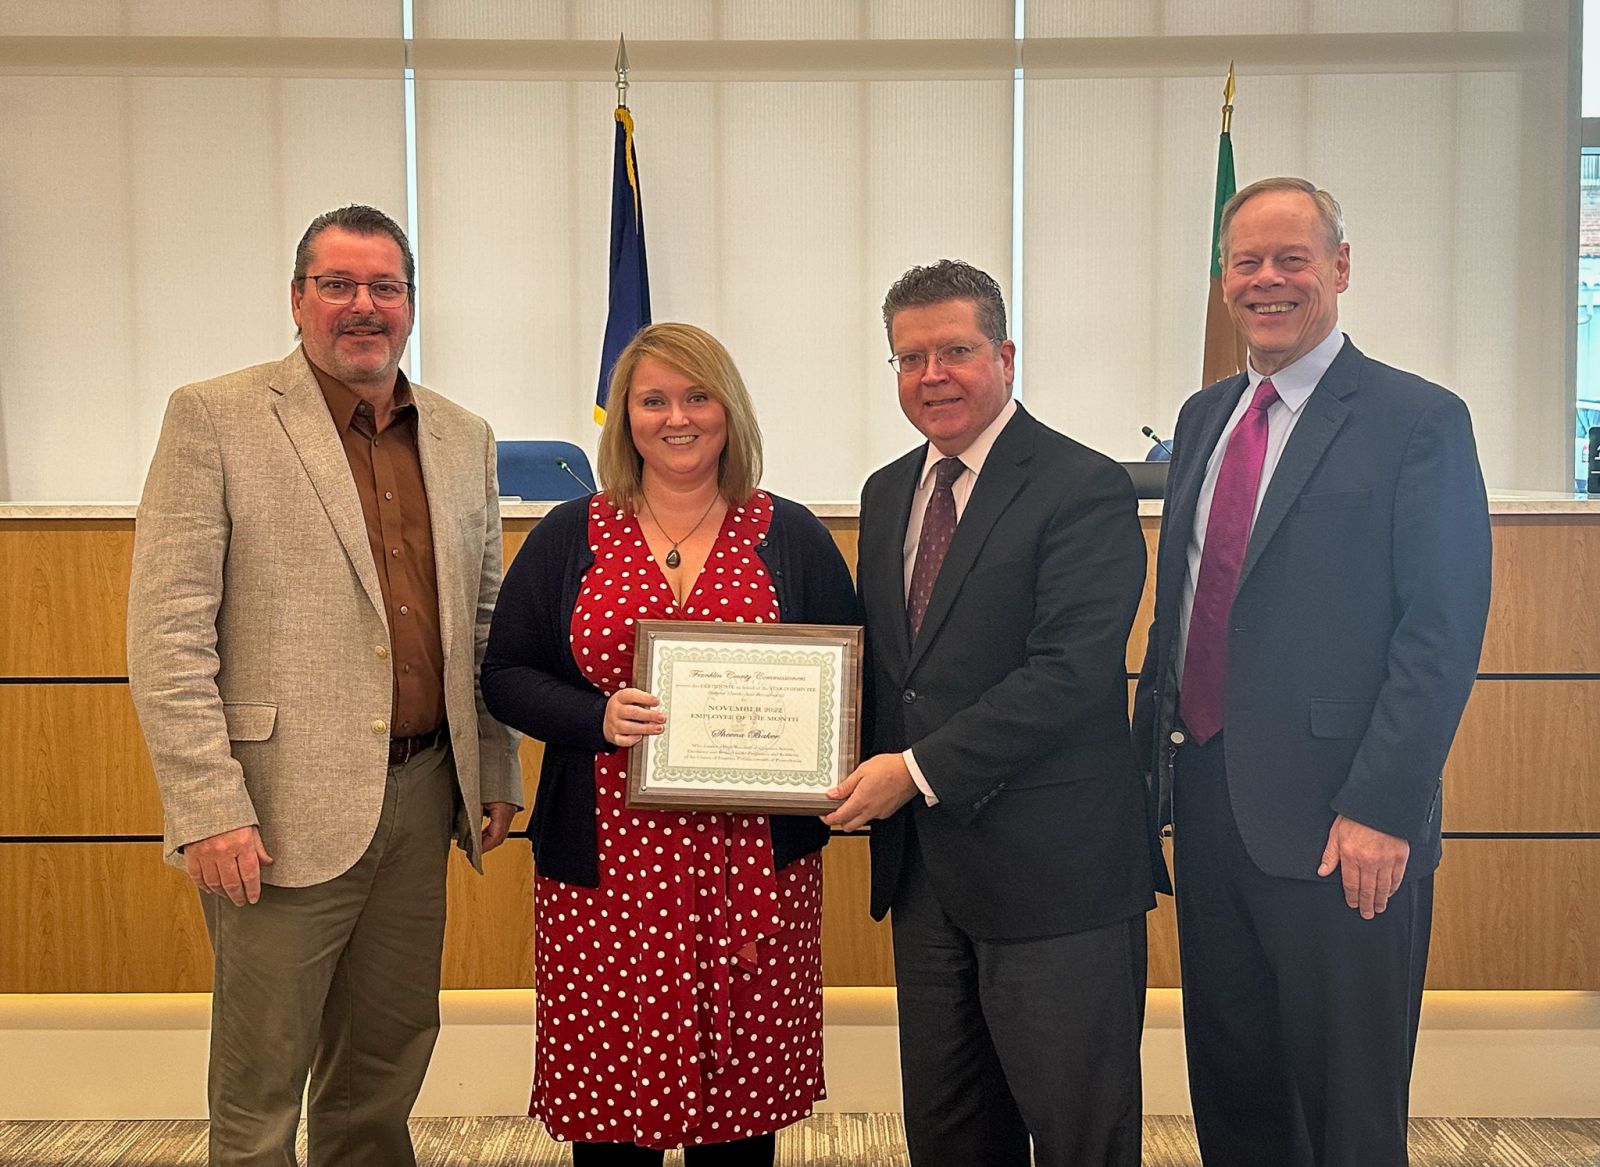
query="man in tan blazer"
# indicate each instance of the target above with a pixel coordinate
(315, 562)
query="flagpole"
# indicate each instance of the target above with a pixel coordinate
(622, 72)
(628, 277)
(1227, 100)
(1224, 349)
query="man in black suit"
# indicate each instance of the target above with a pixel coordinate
(1000, 566)
(1321, 591)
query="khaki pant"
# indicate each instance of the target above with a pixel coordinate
(339, 980)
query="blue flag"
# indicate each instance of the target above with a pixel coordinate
(629, 309)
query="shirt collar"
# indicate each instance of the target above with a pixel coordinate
(974, 456)
(342, 400)
(1294, 382)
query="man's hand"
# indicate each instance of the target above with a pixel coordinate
(874, 790)
(1370, 862)
(630, 715)
(499, 815)
(228, 864)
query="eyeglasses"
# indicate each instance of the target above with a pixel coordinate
(950, 356)
(337, 290)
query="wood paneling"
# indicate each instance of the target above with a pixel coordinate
(98, 918)
(1139, 636)
(1517, 914)
(1163, 935)
(856, 950)
(512, 534)
(64, 597)
(845, 534)
(63, 610)
(1511, 913)
(530, 755)
(111, 917)
(488, 933)
(1543, 617)
(1508, 914)
(1525, 759)
(72, 762)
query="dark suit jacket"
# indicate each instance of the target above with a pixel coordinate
(1014, 695)
(1356, 628)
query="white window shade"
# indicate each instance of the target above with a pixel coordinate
(712, 20)
(776, 216)
(200, 18)
(158, 162)
(147, 232)
(1452, 168)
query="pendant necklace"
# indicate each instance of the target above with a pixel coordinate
(672, 558)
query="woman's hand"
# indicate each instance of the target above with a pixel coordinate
(630, 715)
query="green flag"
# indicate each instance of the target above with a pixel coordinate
(1224, 347)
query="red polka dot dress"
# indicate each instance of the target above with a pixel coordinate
(680, 1002)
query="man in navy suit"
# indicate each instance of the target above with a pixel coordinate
(1000, 566)
(1321, 591)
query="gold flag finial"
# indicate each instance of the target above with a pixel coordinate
(622, 72)
(1227, 101)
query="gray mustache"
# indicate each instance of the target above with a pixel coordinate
(363, 322)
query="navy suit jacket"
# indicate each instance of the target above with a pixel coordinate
(1355, 632)
(1014, 693)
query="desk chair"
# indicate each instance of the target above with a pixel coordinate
(544, 470)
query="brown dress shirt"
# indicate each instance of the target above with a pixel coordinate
(394, 500)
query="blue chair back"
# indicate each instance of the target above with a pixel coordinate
(544, 470)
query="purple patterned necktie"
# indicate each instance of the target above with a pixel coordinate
(1233, 505)
(938, 525)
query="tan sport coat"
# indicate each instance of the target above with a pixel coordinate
(258, 647)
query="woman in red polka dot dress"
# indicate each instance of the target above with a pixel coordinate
(679, 976)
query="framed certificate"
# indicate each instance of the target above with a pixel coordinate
(760, 717)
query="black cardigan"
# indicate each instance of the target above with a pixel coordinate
(532, 683)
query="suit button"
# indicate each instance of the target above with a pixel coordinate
(909, 696)
(379, 726)
(1177, 738)
(381, 652)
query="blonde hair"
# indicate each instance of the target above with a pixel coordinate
(698, 355)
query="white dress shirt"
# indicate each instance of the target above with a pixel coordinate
(1294, 384)
(972, 458)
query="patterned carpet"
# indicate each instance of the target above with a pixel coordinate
(827, 1140)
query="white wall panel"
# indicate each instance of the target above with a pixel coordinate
(149, 202)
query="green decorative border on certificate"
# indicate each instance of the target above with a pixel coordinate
(820, 778)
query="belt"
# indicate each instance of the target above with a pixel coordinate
(403, 749)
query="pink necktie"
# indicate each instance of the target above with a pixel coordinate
(1233, 504)
(938, 525)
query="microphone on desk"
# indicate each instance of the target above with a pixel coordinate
(574, 475)
(1151, 434)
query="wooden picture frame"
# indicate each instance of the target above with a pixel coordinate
(763, 718)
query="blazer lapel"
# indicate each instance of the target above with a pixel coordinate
(887, 552)
(436, 457)
(1183, 496)
(305, 418)
(1325, 413)
(1003, 476)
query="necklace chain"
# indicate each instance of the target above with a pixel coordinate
(672, 558)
